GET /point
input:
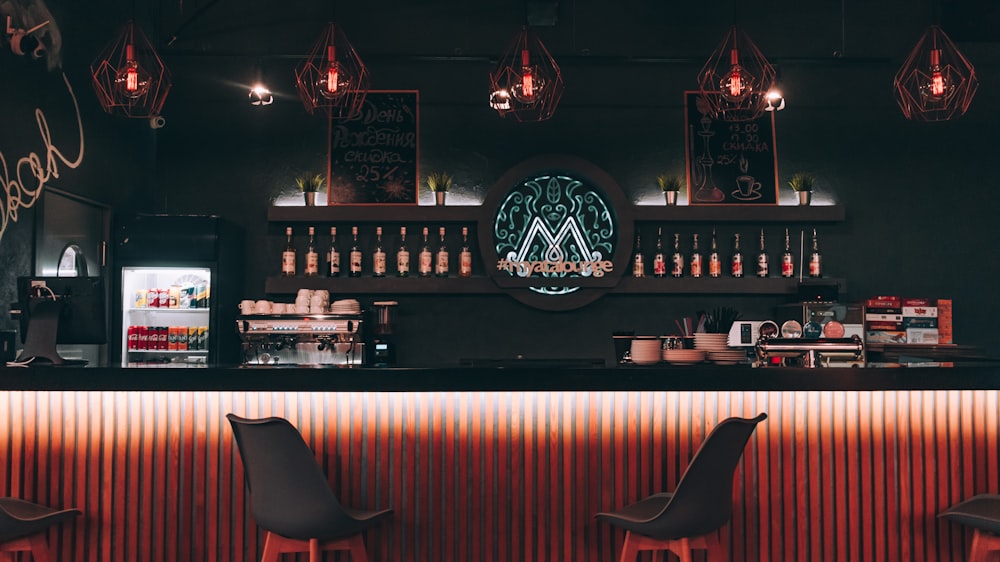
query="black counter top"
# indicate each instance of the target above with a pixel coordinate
(463, 379)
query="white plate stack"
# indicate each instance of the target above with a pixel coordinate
(711, 342)
(683, 356)
(646, 350)
(730, 357)
(346, 306)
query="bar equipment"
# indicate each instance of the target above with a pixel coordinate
(314, 339)
(383, 349)
(809, 352)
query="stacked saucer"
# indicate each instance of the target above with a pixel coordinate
(711, 342)
(646, 350)
(683, 356)
(346, 306)
(728, 357)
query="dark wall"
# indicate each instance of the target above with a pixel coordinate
(918, 196)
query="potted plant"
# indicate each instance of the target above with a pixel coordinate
(440, 183)
(310, 184)
(669, 185)
(802, 183)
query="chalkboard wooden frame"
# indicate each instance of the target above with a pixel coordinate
(374, 159)
(736, 163)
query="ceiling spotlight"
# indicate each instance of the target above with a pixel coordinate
(260, 95)
(23, 41)
(775, 101)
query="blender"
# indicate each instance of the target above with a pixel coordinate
(383, 350)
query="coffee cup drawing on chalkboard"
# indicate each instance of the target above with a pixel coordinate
(747, 187)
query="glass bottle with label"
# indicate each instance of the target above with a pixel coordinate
(312, 256)
(677, 259)
(378, 256)
(815, 259)
(356, 256)
(714, 263)
(426, 267)
(659, 260)
(333, 255)
(288, 256)
(465, 255)
(787, 261)
(638, 261)
(696, 259)
(737, 261)
(763, 266)
(441, 260)
(402, 255)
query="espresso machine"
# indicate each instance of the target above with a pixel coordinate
(384, 319)
(334, 340)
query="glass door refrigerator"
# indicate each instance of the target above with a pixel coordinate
(178, 285)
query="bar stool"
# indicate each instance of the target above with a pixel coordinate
(23, 525)
(689, 517)
(982, 513)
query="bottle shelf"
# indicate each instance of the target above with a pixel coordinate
(169, 310)
(169, 351)
(641, 213)
(484, 285)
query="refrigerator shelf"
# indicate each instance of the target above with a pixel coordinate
(170, 351)
(168, 310)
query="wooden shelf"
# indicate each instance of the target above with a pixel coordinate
(472, 213)
(483, 285)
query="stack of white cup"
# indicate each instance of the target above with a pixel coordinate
(308, 301)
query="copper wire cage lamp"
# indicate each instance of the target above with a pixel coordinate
(333, 79)
(736, 79)
(527, 83)
(936, 82)
(128, 76)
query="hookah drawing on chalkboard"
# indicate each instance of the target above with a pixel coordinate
(705, 189)
(747, 187)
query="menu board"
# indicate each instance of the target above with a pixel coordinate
(729, 163)
(374, 156)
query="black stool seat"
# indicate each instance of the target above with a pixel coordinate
(979, 512)
(19, 518)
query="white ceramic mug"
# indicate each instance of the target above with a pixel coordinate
(263, 307)
(301, 309)
(279, 308)
(305, 294)
(323, 293)
(246, 307)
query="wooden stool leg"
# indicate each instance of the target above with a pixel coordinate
(39, 548)
(985, 547)
(630, 550)
(357, 548)
(271, 550)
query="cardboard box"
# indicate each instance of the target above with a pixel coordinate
(919, 302)
(884, 302)
(920, 322)
(885, 326)
(870, 317)
(944, 321)
(884, 336)
(920, 311)
(922, 335)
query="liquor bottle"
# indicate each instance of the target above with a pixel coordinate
(677, 259)
(737, 261)
(333, 255)
(815, 259)
(441, 260)
(312, 256)
(659, 260)
(402, 255)
(763, 267)
(714, 263)
(465, 255)
(355, 254)
(288, 256)
(787, 261)
(426, 268)
(638, 261)
(696, 259)
(378, 261)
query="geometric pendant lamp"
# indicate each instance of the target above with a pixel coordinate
(526, 83)
(333, 79)
(736, 79)
(936, 82)
(129, 77)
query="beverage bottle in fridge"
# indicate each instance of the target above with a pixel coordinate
(312, 256)
(441, 261)
(714, 263)
(737, 261)
(355, 254)
(402, 255)
(288, 256)
(465, 255)
(333, 255)
(696, 259)
(787, 261)
(426, 267)
(378, 262)
(763, 265)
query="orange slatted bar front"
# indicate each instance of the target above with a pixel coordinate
(507, 476)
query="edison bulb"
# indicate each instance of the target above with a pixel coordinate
(736, 84)
(333, 83)
(935, 86)
(529, 87)
(131, 80)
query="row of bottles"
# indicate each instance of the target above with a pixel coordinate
(694, 264)
(431, 262)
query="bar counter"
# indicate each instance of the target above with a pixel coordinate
(507, 464)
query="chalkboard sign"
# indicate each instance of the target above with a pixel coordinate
(729, 163)
(373, 157)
